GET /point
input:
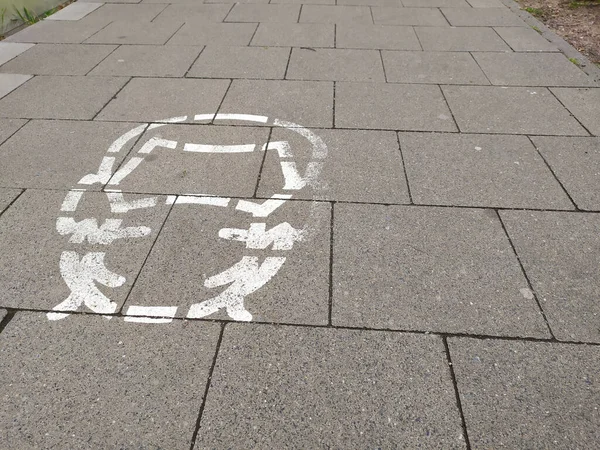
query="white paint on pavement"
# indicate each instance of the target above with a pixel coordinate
(119, 205)
(154, 142)
(294, 181)
(150, 314)
(282, 147)
(205, 148)
(104, 234)
(104, 172)
(263, 209)
(282, 236)
(71, 200)
(243, 117)
(120, 143)
(193, 200)
(125, 170)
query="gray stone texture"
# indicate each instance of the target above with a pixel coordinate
(9, 50)
(9, 82)
(482, 17)
(75, 11)
(8, 127)
(190, 12)
(211, 33)
(523, 39)
(435, 3)
(264, 13)
(465, 39)
(122, 32)
(294, 35)
(7, 196)
(336, 14)
(583, 104)
(58, 32)
(376, 37)
(428, 17)
(429, 269)
(139, 13)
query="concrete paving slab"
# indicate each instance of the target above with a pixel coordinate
(530, 69)
(376, 37)
(429, 269)
(211, 33)
(176, 97)
(576, 163)
(58, 59)
(6, 198)
(64, 97)
(303, 2)
(432, 68)
(391, 106)
(465, 39)
(191, 12)
(75, 11)
(435, 3)
(8, 127)
(482, 17)
(335, 65)
(307, 103)
(583, 104)
(394, 3)
(2, 314)
(9, 82)
(336, 14)
(44, 269)
(194, 230)
(523, 39)
(148, 61)
(487, 4)
(397, 387)
(515, 110)
(264, 13)
(10, 50)
(58, 32)
(126, 32)
(294, 35)
(559, 252)
(361, 166)
(241, 62)
(515, 393)
(428, 17)
(228, 2)
(141, 12)
(53, 154)
(87, 382)
(479, 170)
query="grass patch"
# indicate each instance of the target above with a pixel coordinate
(575, 61)
(536, 29)
(537, 12)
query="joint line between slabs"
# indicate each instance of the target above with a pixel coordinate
(253, 34)
(93, 34)
(333, 106)
(176, 31)
(383, 65)
(212, 122)
(299, 12)
(568, 110)
(288, 63)
(481, 68)
(118, 46)
(135, 142)
(456, 393)
(449, 109)
(12, 202)
(9, 316)
(228, 12)
(330, 303)
(410, 198)
(262, 163)
(113, 97)
(194, 62)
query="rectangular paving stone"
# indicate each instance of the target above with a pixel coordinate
(58, 59)
(576, 163)
(432, 68)
(35, 255)
(125, 32)
(479, 170)
(486, 3)
(361, 166)
(148, 61)
(294, 35)
(514, 110)
(286, 297)
(64, 97)
(394, 3)
(7, 196)
(429, 269)
(335, 65)
(211, 33)
(306, 103)
(584, 104)
(86, 382)
(75, 11)
(8, 127)
(264, 13)
(177, 97)
(428, 17)
(525, 69)
(9, 82)
(303, 2)
(53, 154)
(392, 107)
(435, 3)
(524, 39)
(482, 17)
(58, 32)
(396, 385)
(191, 12)
(376, 37)
(336, 14)
(241, 62)
(142, 12)
(560, 254)
(10, 50)
(463, 39)
(516, 393)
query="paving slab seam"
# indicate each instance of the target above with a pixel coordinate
(410, 198)
(287, 66)
(94, 34)
(418, 39)
(299, 12)
(442, 13)
(171, 37)
(9, 316)
(262, 164)
(212, 122)
(334, 36)
(569, 111)
(482, 71)
(112, 98)
(456, 393)
(15, 132)
(161, 11)
(448, 106)
(103, 59)
(333, 107)
(371, 12)
(11, 203)
(254, 34)
(194, 61)
(330, 293)
(383, 65)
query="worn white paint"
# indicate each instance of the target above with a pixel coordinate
(150, 314)
(104, 172)
(120, 143)
(206, 148)
(125, 170)
(282, 236)
(282, 147)
(105, 234)
(201, 117)
(263, 209)
(193, 200)
(71, 200)
(243, 117)
(319, 149)
(154, 142)
(119, 205)
(294, 181)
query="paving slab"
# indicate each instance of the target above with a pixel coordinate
(2, 314)
(86, 382)
(576, 163)
(148, 61)
(435, 3)
(397, 387)
(191, 12)
(429, 269)
(391, 106)
(9, 82)
(125, 32)
(294, 35)
(8, 127)
(560, 254)
(302, 2)
(58, 59)
(464, 39)
(37, 261)
(49, 154)
(6, 198)
(487, 3)
(376, 37)
(523, 39)
(361, 166)
(64, 97)
(531, 69)
(210, 33)
(75, 11)
(335, 14)
(394, 3)
(10, 50)
(335, 65)
(142, 12)
(177, 97)
(428, 17)
(307, 103)
(583, 104)
(512, 110)
(192, 286)
(432, 68)
(241, 62)
(516, 393)
(264, 13)
(479, 170)
(482, 17)
(58, 32)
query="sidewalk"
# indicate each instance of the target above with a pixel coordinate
(338, 224)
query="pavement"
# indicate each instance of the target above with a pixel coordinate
(298, 224)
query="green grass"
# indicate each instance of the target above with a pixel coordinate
(575, 61)
(535, 11)
(536, 29)
(584, 3)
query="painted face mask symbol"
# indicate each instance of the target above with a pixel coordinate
(85, 273)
